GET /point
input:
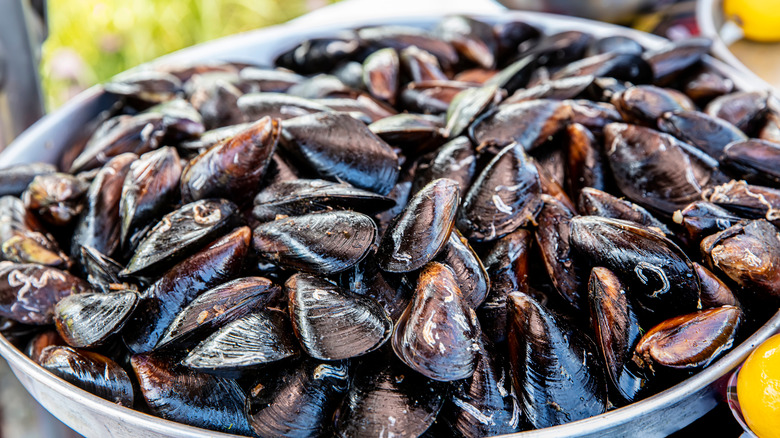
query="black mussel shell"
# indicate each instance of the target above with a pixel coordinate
(514, 76)
(321, 243)
(650, 168)
(438, 333)
(301, 196)
(701, 219)
(15, 179)
(755, 160)
(318, 54)
(381, 71)
(710, 134)
(714, 293)
(57, 198)
(455, 160)
(421, 65)
(103, 272)
(297, 400)
(23, 239)
(91, 372)
(99, 225)
(148, 86)
(644, 104)
(277, 105)
(210, 138)
(234, 167)
(120, 135)
(586, 165)
(421, 230)
(676, 57)
(40, 342)
(164, 299)
(528, 123)
(410, 132)
(744, 109)
(151, 184)
(216, 307)
(254, 339)
(617, 44)
(29, 292)
(485, 404)
(746, 200)
(559, 89)
(617, 331)
(692, 340)
(337, 146)
(595, 202)
(180, 233)
(215, 98)
(473, 39)
(465, 263)
(174, 392)
(511, 34)
(658, 275)
(507, 264)
(468, 105)
(384, 398)
(87, 320)
(749, 254)
(334, 324)
(552, 235)
(368, 280)
(504, 197)
(268, 79)
(401, 37)
(559, 48)
(181, 119)
(627, 67)
(362, 106)
(556, 374)
(706, 83)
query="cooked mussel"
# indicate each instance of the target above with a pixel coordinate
(88, 319)
(91, 372)
(332, 323)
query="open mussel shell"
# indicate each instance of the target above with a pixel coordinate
(15, 179)
(234, 167)
(507, 264)
(322, 243)
(749, 254)
(87, 320)
(465, 263)
(55, 197)
(151, 184)
(174, 392)
(746, 200)
(617, 331)
(29, 292)
(163, 300)
(692, 340)
(505, 196)
(40, 342)
(99, 224)
(332, 323)
(656, 272)
(180, 233)
(485, 404)
(651, 168)
(438, 333)
(556, 374)
(297, 400)
(255, 339)
(384, 398)
(216, 307)
(338, 146)
(421, 230)
(302, 196)
(91, 372)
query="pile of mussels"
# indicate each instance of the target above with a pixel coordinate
(473, 230)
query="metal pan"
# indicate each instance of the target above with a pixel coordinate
(91, 416)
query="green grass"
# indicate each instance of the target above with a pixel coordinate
(92, 40)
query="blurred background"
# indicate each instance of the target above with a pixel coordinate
(91, 40)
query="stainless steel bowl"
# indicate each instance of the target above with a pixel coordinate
(91, 416)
